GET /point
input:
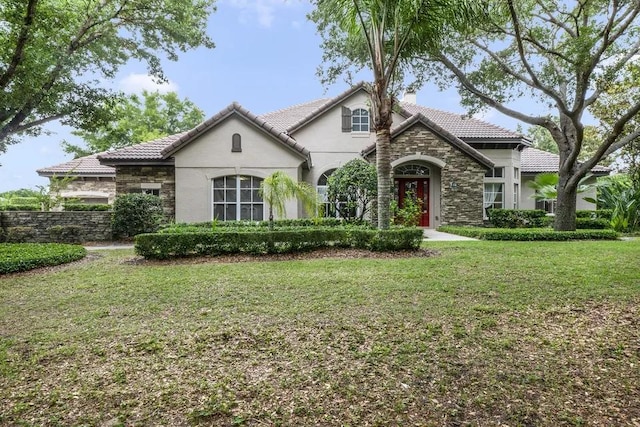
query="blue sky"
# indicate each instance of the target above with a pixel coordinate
(265, 58)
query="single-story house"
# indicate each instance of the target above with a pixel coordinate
(92, 183)
(457, 166)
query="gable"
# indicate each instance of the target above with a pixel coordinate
(214, 148)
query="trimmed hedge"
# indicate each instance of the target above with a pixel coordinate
(83, 207)
(518, 218)
(66, 233)
(529, 234)
(15, 257)
(20, 207)
(257, 225)
(169, 245)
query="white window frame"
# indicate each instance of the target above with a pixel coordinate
(362, 113)
(237, 189)
(489, 198)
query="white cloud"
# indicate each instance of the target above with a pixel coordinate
(262, 11)
(136, 83)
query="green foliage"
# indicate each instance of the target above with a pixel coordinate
(19, 234)
(279, 187)
(620, 195)
(528, 234)
(136, 213)
(169, 245)
(15, 257)
(352, 188)
(49, 196)
(546, 186)
(518, 218)
(68, 206)
(56, 55)
(22, 192)
(542, 140)
(258, 225)
(19, 207)
(559, 54)
(409, 214)
(66, 233)
(138, 119)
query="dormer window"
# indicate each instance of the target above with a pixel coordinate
(357, 120)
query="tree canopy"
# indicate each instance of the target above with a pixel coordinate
(139, 119)
(55, 55)
(558, 56)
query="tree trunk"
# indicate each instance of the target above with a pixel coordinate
(383, 165)
(565, 219)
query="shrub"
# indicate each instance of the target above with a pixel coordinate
(529, 234)
(136, 213)
(86, 207)
(19, 234)
(353, 188)
(518, 218)
(15, 257)
(168, 245)
(592, 223)
(66, 233)
(20, 207)
(260, 225)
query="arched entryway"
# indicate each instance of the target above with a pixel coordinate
(412, 182)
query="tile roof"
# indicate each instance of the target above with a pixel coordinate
(442, 132)
(533, 160)
(147, 151)
(82, 166)
(285, 118)
(462, 126)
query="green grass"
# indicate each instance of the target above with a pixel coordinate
(486, 333)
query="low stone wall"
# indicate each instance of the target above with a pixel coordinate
(41, 227)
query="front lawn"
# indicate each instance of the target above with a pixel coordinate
(486, 333)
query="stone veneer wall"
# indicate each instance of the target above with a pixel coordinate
(462, 205)
(96, 225)
(130, 178)
(92, 185)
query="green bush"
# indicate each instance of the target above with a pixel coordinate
(66, 233)
(20, 207)
(528, 234)
(86, 207)
(136, 213)
(15, 257)
(597, 214)
(19, 234)
(263, 226)
(168, 245)
(592, 223)
(518, 218)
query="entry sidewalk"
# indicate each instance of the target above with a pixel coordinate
(433, 235)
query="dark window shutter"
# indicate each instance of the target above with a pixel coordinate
(346, 119)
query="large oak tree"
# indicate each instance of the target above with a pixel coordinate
(56, 54)
(558, 57)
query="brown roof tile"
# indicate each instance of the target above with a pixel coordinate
(462, 126)
(536, 161)
(147, 151)
(82, 166)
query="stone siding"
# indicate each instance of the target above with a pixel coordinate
(130, 179)
(461, 205)
(103, 187)
(95, 225)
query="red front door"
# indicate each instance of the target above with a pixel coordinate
(418, 190)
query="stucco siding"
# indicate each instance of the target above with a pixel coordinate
(210, 157)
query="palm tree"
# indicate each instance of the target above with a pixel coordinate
(385, 35)
(546, 186)
(279, 187)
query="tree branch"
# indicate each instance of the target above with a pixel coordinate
(23, 37)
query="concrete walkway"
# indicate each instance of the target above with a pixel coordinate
(435, 235)
(109, 246)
